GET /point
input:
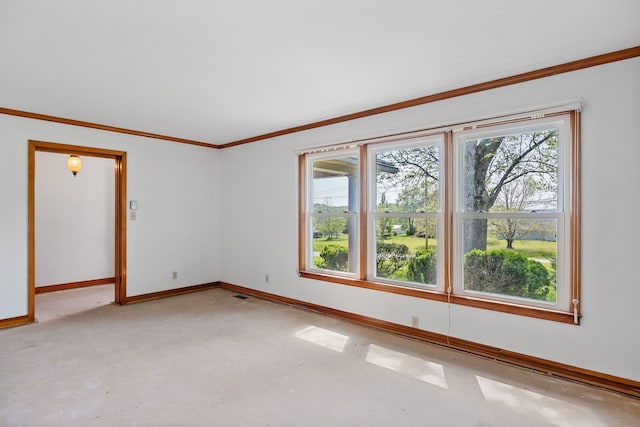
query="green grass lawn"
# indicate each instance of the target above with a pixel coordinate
(320, 243)
(530, 248)
(413, 243)
(537, 249)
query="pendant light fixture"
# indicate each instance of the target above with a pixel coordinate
(74, 163)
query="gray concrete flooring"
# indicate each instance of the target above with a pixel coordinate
(210, 359)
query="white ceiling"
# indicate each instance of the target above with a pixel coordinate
(219, 70)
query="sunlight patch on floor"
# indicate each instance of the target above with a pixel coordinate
(424, 370)
(535, 405)
(323, 337)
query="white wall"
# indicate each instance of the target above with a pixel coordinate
(247, 228)
(259, 214)
(74, 219)
(177, 187)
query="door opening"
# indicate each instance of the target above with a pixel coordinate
(119, 158)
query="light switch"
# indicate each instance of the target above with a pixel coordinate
(133, 205)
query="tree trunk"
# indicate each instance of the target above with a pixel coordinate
(475, 235)
(477, 159)
(509, 243)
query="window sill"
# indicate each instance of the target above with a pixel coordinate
(503, 307)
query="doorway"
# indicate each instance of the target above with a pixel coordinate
(119, 158)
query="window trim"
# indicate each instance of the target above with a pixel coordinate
(438, 140)
(356, 262)
(561, 215)
(571, 315)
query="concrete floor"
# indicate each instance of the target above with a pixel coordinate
(210, 359)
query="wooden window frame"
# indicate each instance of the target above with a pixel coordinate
(439, 141)
(571, 315)
(354, 212)
(560, 215)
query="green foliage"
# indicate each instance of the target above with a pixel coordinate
(390, 257)
(422, 268)
(414, 243)
(545, 287)
(330, 227)
(507, 272)
(334, 257)
(500, 272)
(538, 278)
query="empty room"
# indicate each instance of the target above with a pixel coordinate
(289, 213)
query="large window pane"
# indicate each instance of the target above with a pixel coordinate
(333, 204)
(407, 180)
(519, 259)
(508, 173)
(406, 257)
(331, 243)
(334, 186)
(512, 173)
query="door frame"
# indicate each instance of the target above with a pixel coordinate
(120, 172)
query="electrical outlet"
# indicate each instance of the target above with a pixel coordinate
(415, 321)
(174, 276)
(133, 216)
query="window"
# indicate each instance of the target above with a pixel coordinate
(483, 215)
(510, 212)
(405, 220)
(333, 206)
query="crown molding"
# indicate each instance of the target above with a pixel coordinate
(567, 67)
(72, 122)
